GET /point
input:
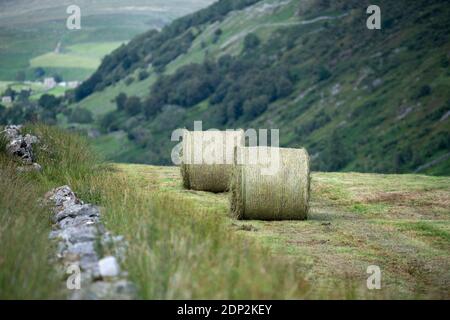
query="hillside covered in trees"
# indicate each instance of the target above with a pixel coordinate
(357, 99)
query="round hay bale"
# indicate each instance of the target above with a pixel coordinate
(270, 184)
(208, 157)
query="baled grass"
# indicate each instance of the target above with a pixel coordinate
(215, 149)
(270, 184)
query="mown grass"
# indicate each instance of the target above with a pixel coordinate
(398, 222)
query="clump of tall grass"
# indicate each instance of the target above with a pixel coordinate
(25, 270)
(67, 158)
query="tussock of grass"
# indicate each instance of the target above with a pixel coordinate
(25, 270)
(426, 228)
(67, 159)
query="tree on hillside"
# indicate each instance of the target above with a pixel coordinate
(251, 41)
(48, 101)
(81, 115)
(39, 72)
(255, 106)
(120, 100)
(133, 105)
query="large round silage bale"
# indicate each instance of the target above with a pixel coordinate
(208, 157)
(270, 183)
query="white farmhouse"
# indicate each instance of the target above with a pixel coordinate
(6, 100)
(49, 83)
(73, 84)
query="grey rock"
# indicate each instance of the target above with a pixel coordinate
(62, 197)
(79, 233)
(76, 210)
(78, 221)
(19, 148)
(109, 267)
(76, 234)
(81, 248)
(30, 168)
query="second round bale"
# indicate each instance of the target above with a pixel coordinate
(270, 183)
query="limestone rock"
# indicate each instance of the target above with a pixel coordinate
(109, 267)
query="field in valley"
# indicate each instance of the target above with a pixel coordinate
(400, 223)
(31, 30)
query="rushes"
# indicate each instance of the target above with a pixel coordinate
(25, 270)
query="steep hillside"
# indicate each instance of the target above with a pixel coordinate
(33, 34)
(358, 99)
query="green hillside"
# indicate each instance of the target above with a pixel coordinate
(358, 99)
(30, 32)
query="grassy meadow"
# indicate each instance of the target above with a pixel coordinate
(398, 222)
(84, 56)
(182, 244)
